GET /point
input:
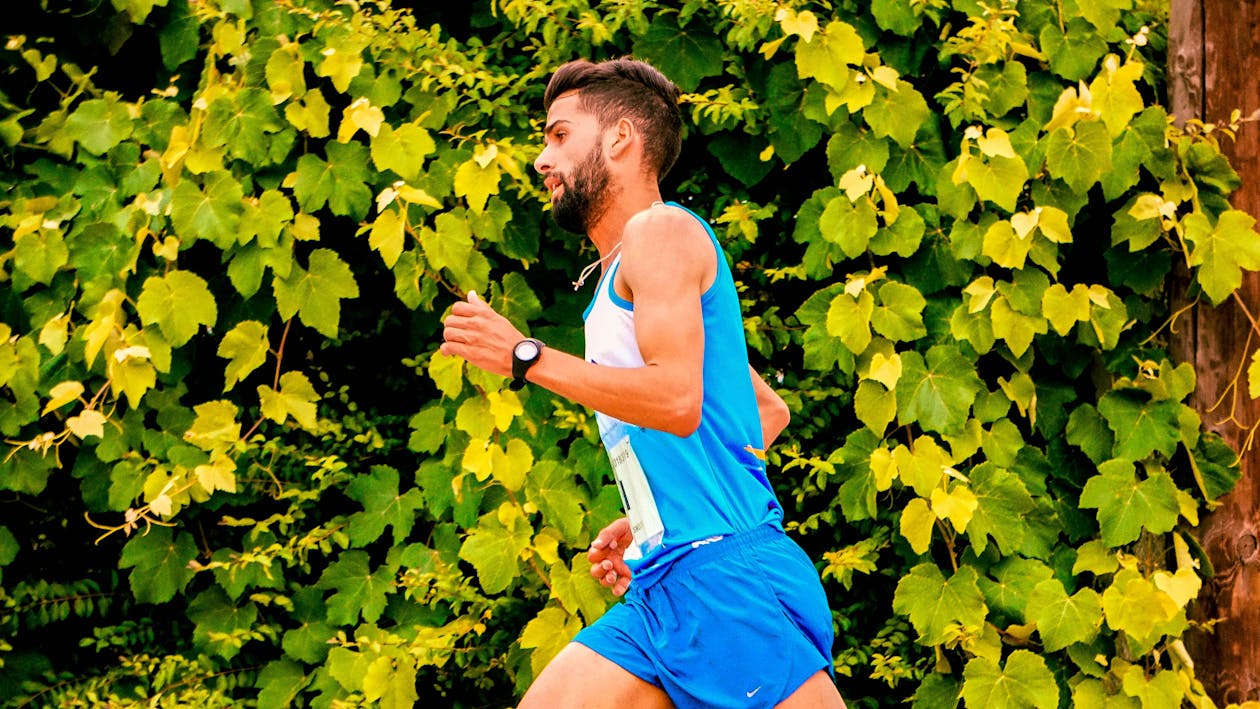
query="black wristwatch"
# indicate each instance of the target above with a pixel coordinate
(524, 355)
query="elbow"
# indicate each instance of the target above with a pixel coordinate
(684, 416)
(780, 416)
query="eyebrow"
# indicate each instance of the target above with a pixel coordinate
(551, 127)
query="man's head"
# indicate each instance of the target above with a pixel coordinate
(606, 123)
(627, 88)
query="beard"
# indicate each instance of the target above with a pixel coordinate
(586, 194)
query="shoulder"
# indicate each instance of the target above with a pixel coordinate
(667, 243)
(665, 232)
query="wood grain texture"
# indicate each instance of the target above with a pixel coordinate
(1214, 68)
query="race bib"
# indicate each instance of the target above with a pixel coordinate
(636, 498)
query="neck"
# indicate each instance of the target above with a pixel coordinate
(606, 233)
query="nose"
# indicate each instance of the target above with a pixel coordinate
(544, 164)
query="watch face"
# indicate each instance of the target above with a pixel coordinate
(526, 350)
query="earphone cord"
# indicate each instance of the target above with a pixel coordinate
(586, 272)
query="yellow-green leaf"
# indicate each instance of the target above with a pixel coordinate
(957, 505)
(245, 347)
(296, 398)
(62, 394)
(387, 237)
(89, 422)
(917, 521)
(215, 425)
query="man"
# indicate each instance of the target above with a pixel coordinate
(723, 609)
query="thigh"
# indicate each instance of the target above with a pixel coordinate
(581, 677)
(818, 692)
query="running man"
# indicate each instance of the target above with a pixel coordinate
(721, 608)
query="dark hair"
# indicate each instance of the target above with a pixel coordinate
(627, 87)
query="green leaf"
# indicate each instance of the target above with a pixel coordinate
(937, 393)
(555, 491)
(1162, 690)
(245, 347)
(177, 38)
(874, 406)
(1141, 426)
(403, 150)
(1005, 246)
(896, 17)
(1114, 95)
(899, 312)
(99, 124)
(358, 589)
(387, 237)
(309, 642)
(211, 211)
(215, 425)
(578, 591)
(938, 690)
(315, 295)
(1064, 309)
(1000, 179)
(494, 547)
(242, 122)
(8, 546)
(279, 683)
(296, 398)
(1061, 619)
(1079, 155)
(848, 318)
(40, 254)
(382, 506)
(1087, 430)
(518, 302)
(212, 613)
(1025, 681)
(1216, 466)
(392, 682)
(477, 182)
(1133, 604)
(934, 604)
(158, 560)
(686, 55)
(1003, 503)
(1072, 54)
(1223, 251)
(1014, 578)
(829, 53)
(178, 303)
(897, 114)
(450, 246)
(547, 634)
(850, 225)
(1126, 506)
(339, 182)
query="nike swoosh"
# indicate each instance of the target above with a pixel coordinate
(750, 694)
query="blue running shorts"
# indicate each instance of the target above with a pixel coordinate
(739, 622)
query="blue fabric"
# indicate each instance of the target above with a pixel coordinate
(709, 483)
(741, 622)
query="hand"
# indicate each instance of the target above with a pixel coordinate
(475, 332)
(607, 556)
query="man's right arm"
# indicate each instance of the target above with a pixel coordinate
(774, 411)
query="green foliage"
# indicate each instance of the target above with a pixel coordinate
(951, 223)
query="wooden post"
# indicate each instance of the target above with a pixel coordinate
(1214, 68)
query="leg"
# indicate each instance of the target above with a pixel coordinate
(818, 692)
(580, 678)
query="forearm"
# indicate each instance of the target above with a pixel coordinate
(653, 396)
(774, 412)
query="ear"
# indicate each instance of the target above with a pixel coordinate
(620, 137)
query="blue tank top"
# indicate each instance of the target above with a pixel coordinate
(681, 493)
